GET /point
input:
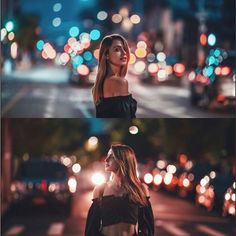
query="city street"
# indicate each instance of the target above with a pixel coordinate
(173, 216)
(45, 92)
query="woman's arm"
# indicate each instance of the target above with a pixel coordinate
(146, 218)
(93, 222)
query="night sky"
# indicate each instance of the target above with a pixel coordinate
(69, 15)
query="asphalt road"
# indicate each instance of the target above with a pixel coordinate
(173, 216)
(44, 92)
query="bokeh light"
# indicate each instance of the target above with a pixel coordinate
(11, 36)
(116, 18)
(211, 39)
(83, 70)
(96, 53)
(64, 58)
(88, 56)
(132, 59)
(95, 34)
(102, 15)
(40, 45)
(141, 44)
(57, 7)
(133, 129)
(161, 56)
(3, 33)
(139, 67)
(140, 52)
(56, 21)
(135, 19)
(74, 31)
(9, 26)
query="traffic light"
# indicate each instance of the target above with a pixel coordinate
(203, 39)
(211, 39)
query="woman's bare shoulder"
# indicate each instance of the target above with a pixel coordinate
(115, 85)
(115, 80)
(98, 190)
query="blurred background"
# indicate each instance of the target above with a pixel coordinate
(182, 56)
(49, 168)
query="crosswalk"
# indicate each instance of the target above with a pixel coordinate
(163, 228)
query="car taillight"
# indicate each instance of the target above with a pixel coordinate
(44, 185)
(18, 186)
(225, 70)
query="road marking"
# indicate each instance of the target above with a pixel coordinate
(173, 229)
(56, 228)
(21, 93)
(15, 230)
(189, 218)
(209, 231)
(84, 111)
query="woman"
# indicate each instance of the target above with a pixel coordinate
(121, 206)
(110, 92)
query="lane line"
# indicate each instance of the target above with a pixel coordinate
(84, 111)
(173, 229)
(209, 231)
(15, 230)
(21, 93)
(189, 218)
(56, 228)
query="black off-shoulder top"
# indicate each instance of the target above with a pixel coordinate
(116, 107)
(109, 210)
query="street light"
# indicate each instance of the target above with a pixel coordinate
(9, 26)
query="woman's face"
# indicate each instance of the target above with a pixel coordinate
(117, 54)
(110, 163)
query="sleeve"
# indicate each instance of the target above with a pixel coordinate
(93, 220)
(146, 221)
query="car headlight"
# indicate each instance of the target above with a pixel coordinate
(72, 183)
(18, 186)
(98, 178)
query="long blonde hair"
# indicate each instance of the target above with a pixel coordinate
(103, 64)
(127, 171)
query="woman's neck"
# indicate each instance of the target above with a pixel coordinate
(113, 70)
(116, 180)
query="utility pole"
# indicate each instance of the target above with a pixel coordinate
(201, 15)
(6, 162)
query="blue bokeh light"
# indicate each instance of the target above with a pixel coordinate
(95, 34)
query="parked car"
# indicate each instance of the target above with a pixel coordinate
(214, 86)
(210, 192)
(189, 179)
(229, 204)
(39, 182)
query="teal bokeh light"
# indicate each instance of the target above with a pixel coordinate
(74, 31)
(88, 56)
(40, 45)
(211, 39)
(211, 60)
(209, 71)
(9, 26)
(95, 34)
(77, 60)
(217, 53)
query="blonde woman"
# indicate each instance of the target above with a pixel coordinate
(110, 92)
(121, 206)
